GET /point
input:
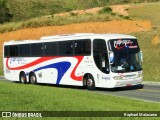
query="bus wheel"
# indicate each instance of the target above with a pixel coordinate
(22, 78)
(32, 78)
(90, 84)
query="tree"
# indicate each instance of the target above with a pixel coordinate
(5, 16)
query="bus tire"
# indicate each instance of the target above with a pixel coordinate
(90, 83)
(32, 78)
(23, 78)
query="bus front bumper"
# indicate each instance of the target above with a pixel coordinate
(124, 83)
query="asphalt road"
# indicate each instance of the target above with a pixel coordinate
(146, 92)
(2, 78)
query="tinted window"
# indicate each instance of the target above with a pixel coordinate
(61, 48)
(37, 49)
(13, 51)
(50, 49)
(6, 51)
(69, 48)
(79, 47)
(100, 55)
(99, 46)
(53, 48)
(25, 50)
(87, 47)
(82, 47)
(65, 48)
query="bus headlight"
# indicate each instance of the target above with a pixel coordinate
(118, 77)
(140, 75)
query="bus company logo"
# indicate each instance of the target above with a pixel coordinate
(119, 44)
(17, 60)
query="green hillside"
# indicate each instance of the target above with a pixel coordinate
(18, 10)
(151, 55)
(149, 46)
(145, 11)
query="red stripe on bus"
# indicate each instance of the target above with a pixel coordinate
(73, 76)
(40, 60)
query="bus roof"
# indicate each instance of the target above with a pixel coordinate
(109, 36)
(73, 36)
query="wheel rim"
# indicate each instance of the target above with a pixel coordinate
(23, 79)
(90, 82)
(33, 79)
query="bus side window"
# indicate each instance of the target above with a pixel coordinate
(25, 50)
(36, 49)
(13, 51)
(100, 55)
(82, 47)
(87, 47)
(79, 48)
(62, 48)
(65, 48)
(6, 51)
(69, 48)
(50, 49)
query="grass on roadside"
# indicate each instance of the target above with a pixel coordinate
(21, 97)
(1, 66)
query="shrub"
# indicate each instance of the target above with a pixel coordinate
(105, 10)
(73, 14)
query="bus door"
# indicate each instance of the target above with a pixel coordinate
(101, 59)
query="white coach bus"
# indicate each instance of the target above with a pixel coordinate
(82, 59)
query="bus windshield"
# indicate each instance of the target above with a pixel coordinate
(126, 55)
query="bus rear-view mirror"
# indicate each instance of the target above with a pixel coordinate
(111, 57)
(141, 56)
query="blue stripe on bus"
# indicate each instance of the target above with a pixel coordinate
(61, 67)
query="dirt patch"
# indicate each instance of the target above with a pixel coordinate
(121, 9)
(125, 26)
(156, 40)
(87, 11)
